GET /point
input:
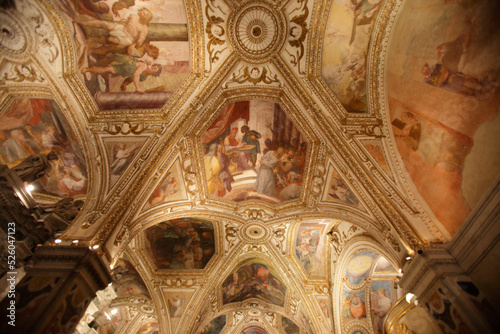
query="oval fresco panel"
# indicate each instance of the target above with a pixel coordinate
(130, 54)
(254, 279)
(180, 243)
(443, 75)
(254, 151)
(359, 266)
(37, 126)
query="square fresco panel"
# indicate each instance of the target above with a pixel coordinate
(451, 53)
(130, 54)
(254, 280)
(171, 189)
(347, 38)
(180, 243)
(37, 126)
(253, 151)
(309, 248)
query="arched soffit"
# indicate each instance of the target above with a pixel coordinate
(254, 278)
(32, 125)
(254, 151)
(367, 290)
(442, 77)
(124, 55)
(344, 58)
(178, 245)
(265, 222)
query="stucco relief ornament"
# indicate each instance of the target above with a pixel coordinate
(254, 75)
(297, 34)
(15, 40)
(20, 73)
(256, 31)
(215, 33)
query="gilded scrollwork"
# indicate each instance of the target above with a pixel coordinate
(254, 75)
(280, 238)
(125, 128)
(231, 235)
(297, 33)
(22, 73)
(215, 32)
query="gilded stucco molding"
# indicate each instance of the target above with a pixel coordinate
(298, 14)
(25, 73)
(216, 44)
(255, 75)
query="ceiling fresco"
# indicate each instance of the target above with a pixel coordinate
(130, 55)
(253, 151)
(254, 279)
(37, 126)
(255, 166)
(310, 247)
(347, 38)
(180, 244)
(447, 147)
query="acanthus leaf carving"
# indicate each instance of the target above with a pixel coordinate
(20, 73)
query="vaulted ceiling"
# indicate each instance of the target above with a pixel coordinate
(369, 132)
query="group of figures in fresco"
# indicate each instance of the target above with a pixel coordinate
(271, 155)
(253, 280)
(124, 44)
(37, 142)
(181, 244)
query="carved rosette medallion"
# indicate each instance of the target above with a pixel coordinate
(253, 233)
(257, 32)
(14, 40)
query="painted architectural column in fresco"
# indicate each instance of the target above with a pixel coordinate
(447, 293)
(56, 290)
